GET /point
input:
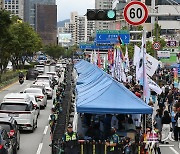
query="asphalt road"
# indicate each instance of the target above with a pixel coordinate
(38, 141)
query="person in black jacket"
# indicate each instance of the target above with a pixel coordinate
(177, 125)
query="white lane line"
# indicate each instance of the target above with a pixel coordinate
(166, 145)
(45, 130)
(39, 148)
(173, 150)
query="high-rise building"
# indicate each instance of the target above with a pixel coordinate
(80, 29)
(16, 7)
(42, 16)
(103, 4)
(46, 23)
(1, 4)
(30, 10)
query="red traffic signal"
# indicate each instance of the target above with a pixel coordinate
(101, 14)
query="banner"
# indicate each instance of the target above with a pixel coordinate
(151, 64)
(137, 50)
(154, 86)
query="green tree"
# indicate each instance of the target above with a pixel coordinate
(25, 41)
(54, 51)
(5, 22)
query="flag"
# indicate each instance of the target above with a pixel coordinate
(154, 86)
(151, 64)
(137, 50)
(99, 60)
(126, 60)
(95, 58)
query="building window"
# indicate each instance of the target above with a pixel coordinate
(17, 7)
(17, 12)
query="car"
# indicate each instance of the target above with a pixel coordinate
(45, 78)
(35, 103)
(32, 74)
(40, 94)
(46, 85)
(5, 142)
(20, 107)
(11, 126)
(40, 68)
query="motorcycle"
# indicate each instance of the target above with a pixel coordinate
(21, 80)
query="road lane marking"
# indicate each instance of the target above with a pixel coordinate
(39, 148)
(173, 150)
(45, 130)
(166, 145)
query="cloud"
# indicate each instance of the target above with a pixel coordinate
(65, 7)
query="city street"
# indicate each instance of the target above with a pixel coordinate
(38, 141)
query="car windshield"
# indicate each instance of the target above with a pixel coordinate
(14, 106)
(32, 91)
(6, 126)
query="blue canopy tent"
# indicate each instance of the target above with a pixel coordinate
(100, 94)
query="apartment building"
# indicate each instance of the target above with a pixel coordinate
(16, 7)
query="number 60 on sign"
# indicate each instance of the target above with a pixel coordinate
(135, 13)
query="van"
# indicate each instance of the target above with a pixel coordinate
(21, 108)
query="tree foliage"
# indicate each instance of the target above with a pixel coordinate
(17, 40)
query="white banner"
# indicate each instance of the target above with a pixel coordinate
(151, 64)
(137, 50)
(154, 86)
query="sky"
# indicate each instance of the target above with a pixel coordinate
(65, 7)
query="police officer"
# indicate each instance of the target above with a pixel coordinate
(112, 142)
(71, 141)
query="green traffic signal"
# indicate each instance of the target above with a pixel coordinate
(101, 14)
(111, 14)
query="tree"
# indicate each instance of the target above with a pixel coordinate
(54, 51)
(25, 41)
(5, 22)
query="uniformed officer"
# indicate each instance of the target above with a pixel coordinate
(112, 142)
(71, 141)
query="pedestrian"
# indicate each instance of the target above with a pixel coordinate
(158, 121)
(112, 142)
(70, 139)
(114, 122)
(166, 125)
(177, 125)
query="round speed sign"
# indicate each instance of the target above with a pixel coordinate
(135, 13)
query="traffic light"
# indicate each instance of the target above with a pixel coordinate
(101, 14)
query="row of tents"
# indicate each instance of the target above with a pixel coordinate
(98, 93)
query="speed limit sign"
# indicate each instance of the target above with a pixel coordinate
(156, 45)
(135, 13)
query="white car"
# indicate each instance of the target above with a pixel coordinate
(40, 94)
(35, 103)
(21, 108)
(46, 85)
(40, 68)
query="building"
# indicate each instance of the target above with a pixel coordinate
(1, 4)
(16, 7)
(30, 10)
(46, 23)
(80, 29)
(169, 24)
(103, 4)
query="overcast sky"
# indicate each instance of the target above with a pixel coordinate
(67, 6)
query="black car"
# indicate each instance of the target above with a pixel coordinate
(5, 142)
(10, 125)
(32, 74)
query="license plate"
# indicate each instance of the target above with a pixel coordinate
(13, 115)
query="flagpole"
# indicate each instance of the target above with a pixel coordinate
(144, 46)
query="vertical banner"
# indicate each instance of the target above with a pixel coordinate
(175, 77)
